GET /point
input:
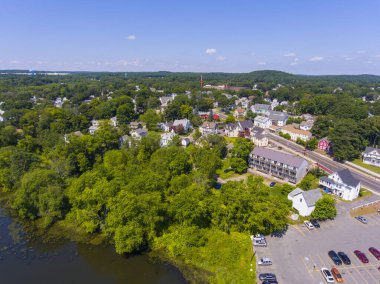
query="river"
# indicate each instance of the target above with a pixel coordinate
(26, 260)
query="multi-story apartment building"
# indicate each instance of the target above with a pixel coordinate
(278, 164)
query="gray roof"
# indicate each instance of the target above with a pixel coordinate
(295, 192)
(278, 115)
(261, 119)
(246, 124)
(279, 157)
(141, 131)
(210, 125)
(261, 106)
(347, 177)
(370, 149)
(312, 196)
(230, 126)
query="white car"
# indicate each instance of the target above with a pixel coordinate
(327, 274)
(308, 225)
(264, 261)
(258, 237)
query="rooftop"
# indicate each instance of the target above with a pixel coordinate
(279, 156)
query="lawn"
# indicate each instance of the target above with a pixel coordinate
(368, 167)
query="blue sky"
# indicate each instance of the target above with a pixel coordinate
(297, 36)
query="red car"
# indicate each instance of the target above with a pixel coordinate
(375, 252)
(361, 256)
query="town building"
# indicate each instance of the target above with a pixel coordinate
(186, 124)
(259, 137)
(262, 109)
(307, 125)
(296, 134)
(139, 133)
(262, 121)
(278, 118)
(94, 126)
(208, 128)
(166, 138)
(166, 126)
(278, 164)
(324, 144)
(342, 184)
(371, 156)
(239, 129)
(240, 112)
(243, 102)
(304, 201)
(185, 142)
(134, 125)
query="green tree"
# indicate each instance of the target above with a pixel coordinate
(230, 119)
(324, 208)
(151, 118)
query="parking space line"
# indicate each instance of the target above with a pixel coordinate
(370, 274)
(307, 268)
(350, 274)
(357, 268)
(299, 230)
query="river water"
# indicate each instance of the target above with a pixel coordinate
(23, 260)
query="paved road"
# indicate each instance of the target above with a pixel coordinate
(366, 181)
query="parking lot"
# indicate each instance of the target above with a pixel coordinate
(298, 255)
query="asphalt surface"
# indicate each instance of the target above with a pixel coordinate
(300, 253)
(368, 182)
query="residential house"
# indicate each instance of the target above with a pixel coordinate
(296, 134)
(185, 142)
(59, 102)
(259, 137)
(94, 126)
(262, 109)
(208, 128)
(186, 124)
(166, 126)
(371, 156)
(304, 201)
(324, 144)
(139, 133)
(278, 118)
(165, 100)
(243, 102)
(135, 125)
(278, 164)
(240, 112)
(262, 121)
(113, 121)
(342, 184)
(274, 104)
(239, 129)
(166, 138)
(307, 125)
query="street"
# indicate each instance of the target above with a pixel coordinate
(366, 181)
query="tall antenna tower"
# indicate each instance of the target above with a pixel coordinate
(201, 82)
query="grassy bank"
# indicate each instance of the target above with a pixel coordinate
(209, 256)
(366, 166)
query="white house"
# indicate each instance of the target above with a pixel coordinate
(371, 156)
(113, 121)
(296, 134)
(208, 128)
(307, 125)
(304, 201)
(185, 142)
(259, 137)
(342, 184)
(262, 121)
(139, 133)
(186, 124)
(94, 126)
(166, 138)
(240, 112)
(262, 109)
(278, 118)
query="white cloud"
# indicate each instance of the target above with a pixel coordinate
(348, 58)
(316, 58)
(293, 63)
(361, 51)
(210, 51)
(131, 37)
(221, 58)
(261, 63)
(369, 62)
(290, 54)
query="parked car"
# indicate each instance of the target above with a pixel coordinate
(272, 184)
(375, 252)
(338, 277)
(258, 237)
(308, 225)
(273, 281)
(344, 258)
(315, 223)
(260, 243)
(264, 261)
(327, 274)
(267, 276)
(334, 257)
(362, 257)
(361, 219)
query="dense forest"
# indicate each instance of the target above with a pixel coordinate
(142, 197)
